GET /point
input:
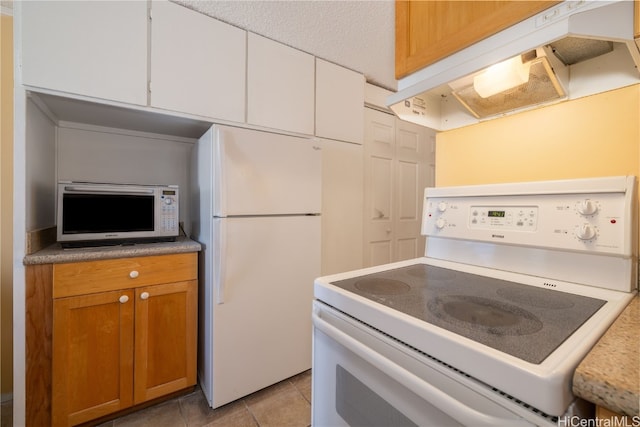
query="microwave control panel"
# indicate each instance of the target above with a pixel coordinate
(169, 211)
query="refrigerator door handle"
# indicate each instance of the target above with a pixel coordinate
(220, 174)
(220, 279)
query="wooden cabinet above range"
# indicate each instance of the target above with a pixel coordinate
(427, 31)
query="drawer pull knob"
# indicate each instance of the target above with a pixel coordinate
(144, 295)
(134, 274)
(124, 298)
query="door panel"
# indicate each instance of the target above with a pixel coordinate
(408, 184)
(381, 179)
(408, 248)
(380, 252)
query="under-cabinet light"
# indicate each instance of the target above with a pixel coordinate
(501, 76)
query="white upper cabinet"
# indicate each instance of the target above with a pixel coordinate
(339, 102)
(92, 48)
(280, 86)
(197, 63)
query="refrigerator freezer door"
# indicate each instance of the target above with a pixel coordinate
(262, 320)
(261, 173)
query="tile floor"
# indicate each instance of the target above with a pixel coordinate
(285, 404)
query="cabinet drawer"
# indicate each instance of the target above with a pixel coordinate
(106, 275)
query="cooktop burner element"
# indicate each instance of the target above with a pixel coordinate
(483, 314)
(524, 321)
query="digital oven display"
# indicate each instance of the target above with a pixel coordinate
(495, 214)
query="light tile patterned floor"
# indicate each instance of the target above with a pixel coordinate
(285, 404)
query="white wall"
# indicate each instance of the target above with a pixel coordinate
(41, 166)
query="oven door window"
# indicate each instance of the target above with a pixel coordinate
(358, 405)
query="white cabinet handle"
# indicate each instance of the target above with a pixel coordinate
(124, 298)
(144, 295)
(133, 274)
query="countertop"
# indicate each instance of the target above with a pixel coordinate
(609, 375)
(54, 254)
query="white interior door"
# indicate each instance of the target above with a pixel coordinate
(413, 172)
(399, 164)
(379, 151)
(263, 292)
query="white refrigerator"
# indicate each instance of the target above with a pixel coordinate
(256, 210)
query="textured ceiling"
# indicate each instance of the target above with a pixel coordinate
(358, 35)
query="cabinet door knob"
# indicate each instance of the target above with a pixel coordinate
(144, 295)
(133, 274)
(124, 298)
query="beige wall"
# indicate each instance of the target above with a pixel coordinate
(593, 136)
(6, 205)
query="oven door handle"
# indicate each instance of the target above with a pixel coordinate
(436, 397)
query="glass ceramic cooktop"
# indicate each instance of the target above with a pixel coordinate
(524, 321)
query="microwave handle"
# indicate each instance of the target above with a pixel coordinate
(449, 405)
(82, 189)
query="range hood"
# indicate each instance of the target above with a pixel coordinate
(572, 50)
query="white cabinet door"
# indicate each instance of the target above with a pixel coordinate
(197, 63)
(339, 103)
(92, 48)
(342, 204)
(280, 86)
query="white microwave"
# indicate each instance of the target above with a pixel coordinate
(90, 213)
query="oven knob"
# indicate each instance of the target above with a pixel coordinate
(585, 232)
(442, 206)
(168, 201)
(587, 207)
(440, 223)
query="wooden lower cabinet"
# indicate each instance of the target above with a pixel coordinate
(165, 344)
(115, 349)
(92, 356)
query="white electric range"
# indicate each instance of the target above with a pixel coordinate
(517, 284)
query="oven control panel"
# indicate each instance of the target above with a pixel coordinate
(524, 218)
(598, 221)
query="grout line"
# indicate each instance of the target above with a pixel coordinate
(246, 406)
